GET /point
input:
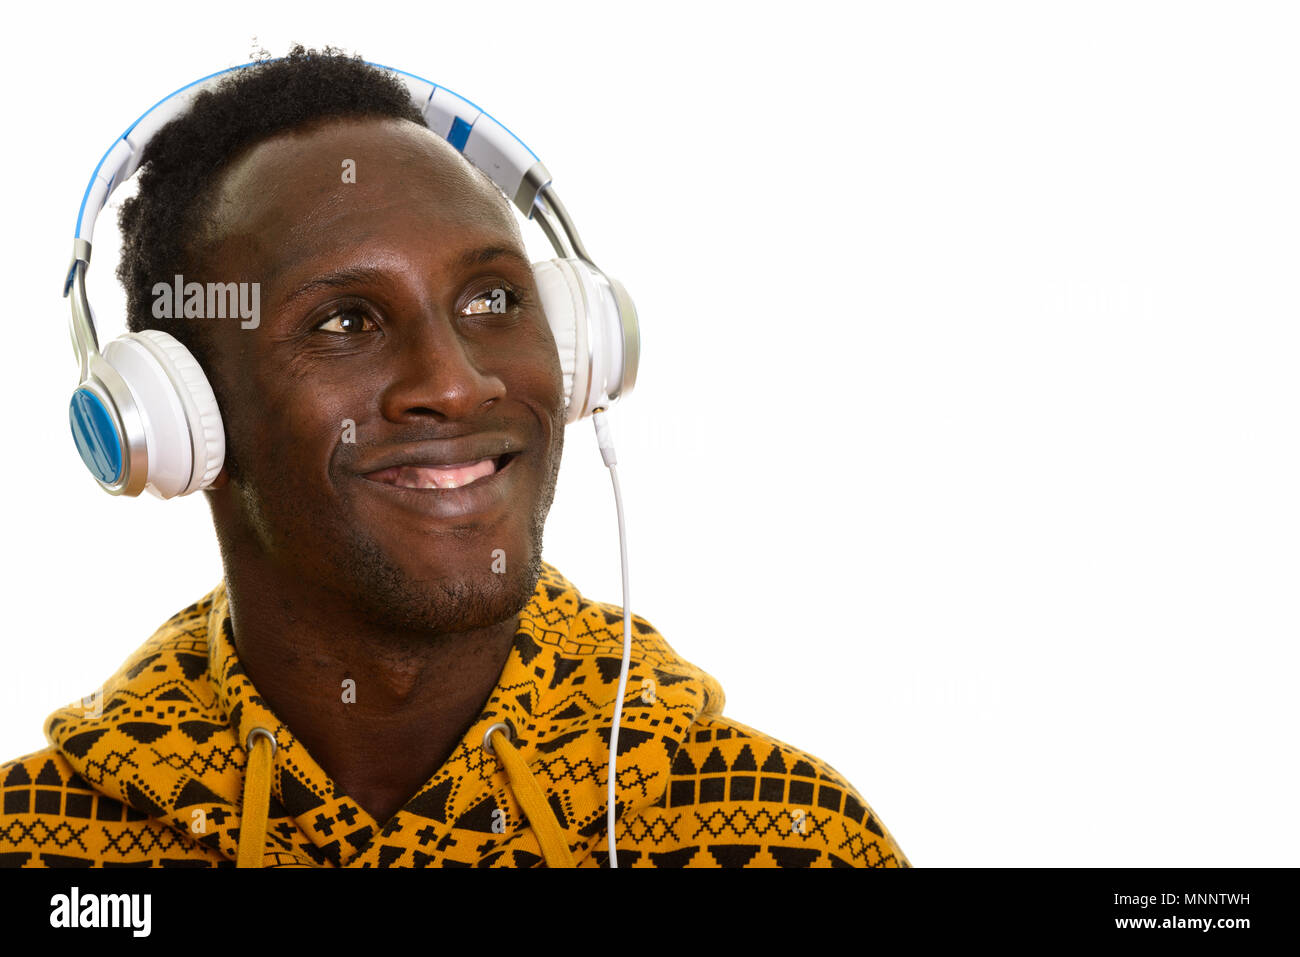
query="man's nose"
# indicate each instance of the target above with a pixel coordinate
(440, 372)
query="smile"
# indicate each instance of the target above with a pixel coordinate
(441, 477)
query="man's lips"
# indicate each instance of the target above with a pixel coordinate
(486, 487)
(442, 463)
(466, 479)
(427, 476)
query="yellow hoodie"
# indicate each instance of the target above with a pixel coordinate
(158, 771)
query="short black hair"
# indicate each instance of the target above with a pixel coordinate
(163, 225)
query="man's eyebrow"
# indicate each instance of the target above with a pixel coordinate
(488, 254)
(362, 275)
(340, 278)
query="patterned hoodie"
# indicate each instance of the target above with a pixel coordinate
(172, 764)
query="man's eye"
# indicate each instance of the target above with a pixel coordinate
(347, 321)
(499, 301)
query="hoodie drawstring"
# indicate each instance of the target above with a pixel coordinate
(540, 814)
(261, 747)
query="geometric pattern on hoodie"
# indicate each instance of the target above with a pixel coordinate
(149, 772)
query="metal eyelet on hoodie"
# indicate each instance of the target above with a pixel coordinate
(487, 736)
(248, 745)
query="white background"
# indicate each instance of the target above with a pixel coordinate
(964, 447)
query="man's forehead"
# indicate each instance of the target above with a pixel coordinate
(290, 187)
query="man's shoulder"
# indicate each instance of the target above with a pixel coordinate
(45, 810)
(738, 797)
(47, 764)
(30, 782)
(50, 816)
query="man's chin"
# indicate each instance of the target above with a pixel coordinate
(446, 601)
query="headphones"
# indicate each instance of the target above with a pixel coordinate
(144, 415)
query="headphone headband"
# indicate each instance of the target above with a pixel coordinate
(479, 137)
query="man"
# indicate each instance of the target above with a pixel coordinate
(388, 674)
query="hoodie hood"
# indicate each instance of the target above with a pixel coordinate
(168, 736)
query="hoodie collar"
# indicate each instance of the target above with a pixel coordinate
(170, 743)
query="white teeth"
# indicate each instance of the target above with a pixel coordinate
(447, 477)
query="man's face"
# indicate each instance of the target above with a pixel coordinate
(400, 327)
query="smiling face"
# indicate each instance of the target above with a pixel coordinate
(401, 346)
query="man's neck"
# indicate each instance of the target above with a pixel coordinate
(380, 710)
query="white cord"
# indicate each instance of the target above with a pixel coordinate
(606, 443)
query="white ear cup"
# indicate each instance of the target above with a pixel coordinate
(563, 303)
(592, 324)
(183, 433)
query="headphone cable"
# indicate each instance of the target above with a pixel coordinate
(606, 443)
